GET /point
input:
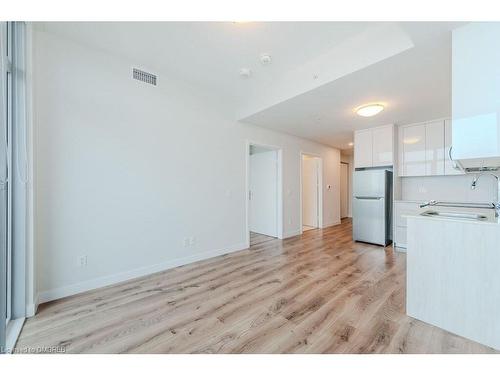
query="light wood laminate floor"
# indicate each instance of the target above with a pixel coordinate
(258, 239)
(315, 293)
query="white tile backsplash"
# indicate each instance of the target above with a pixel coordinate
(448, 188)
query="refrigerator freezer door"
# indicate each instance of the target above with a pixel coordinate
(369, 183)
(369, 220)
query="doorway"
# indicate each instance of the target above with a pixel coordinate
(311, 197)
(344, 190)
(264, 176)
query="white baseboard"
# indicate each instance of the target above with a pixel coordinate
(331, 224)
(13, 330)
(31, 308)
(398, 248)
(53, 294)
(292, 233)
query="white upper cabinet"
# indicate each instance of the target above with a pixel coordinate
(363, 148)
(448, 163)
(413, 150)
(423, 149)
(374, 147)
(434, 148)
(476, 94)
(383, 144)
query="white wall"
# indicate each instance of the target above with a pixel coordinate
(125, 172)
(448, 188)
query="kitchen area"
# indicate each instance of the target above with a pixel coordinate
(442, 195)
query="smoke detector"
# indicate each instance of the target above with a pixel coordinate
(245, 73)
(265, 59)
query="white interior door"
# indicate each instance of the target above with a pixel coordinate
(263, 204)
(344, 190)
(310, 196)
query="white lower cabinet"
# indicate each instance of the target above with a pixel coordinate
(401, 209)
(400, 237)
(405, 208)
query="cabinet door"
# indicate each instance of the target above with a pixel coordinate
(363, 148)
(382, 140)
(414, 150)
(400, 237)
(476, 93)
(434, 148)
(401, 159)
(448, 163)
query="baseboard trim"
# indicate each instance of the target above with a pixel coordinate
(31, 308)
(332, 224)
(292, 233)
(13, 330)
(57, 293)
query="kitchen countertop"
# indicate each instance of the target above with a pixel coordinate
(407, 201)
(491, 220)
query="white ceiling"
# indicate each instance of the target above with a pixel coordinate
(415, 86)
(212, 53)
(415, 83)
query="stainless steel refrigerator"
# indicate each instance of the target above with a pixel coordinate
(372, 206)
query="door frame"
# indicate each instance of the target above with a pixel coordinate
(348, 184)
(279, 190)
(320, 187)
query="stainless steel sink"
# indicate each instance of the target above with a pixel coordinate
(455, 215)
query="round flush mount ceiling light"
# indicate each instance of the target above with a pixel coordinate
(245, 73)
(369, 110)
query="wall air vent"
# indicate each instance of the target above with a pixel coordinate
(145, 77)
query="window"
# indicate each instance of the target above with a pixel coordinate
(5, 120)
(12, 181)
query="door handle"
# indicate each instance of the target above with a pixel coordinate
(369, 198)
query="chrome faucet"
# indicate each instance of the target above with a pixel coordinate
(495, 204)
(427, 204)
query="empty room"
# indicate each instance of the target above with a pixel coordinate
(257, 187)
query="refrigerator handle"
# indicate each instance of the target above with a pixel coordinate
(369, 198)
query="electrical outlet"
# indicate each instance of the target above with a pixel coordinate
(290, 220)
(82, 261)
(192, 241)
(185, 242)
